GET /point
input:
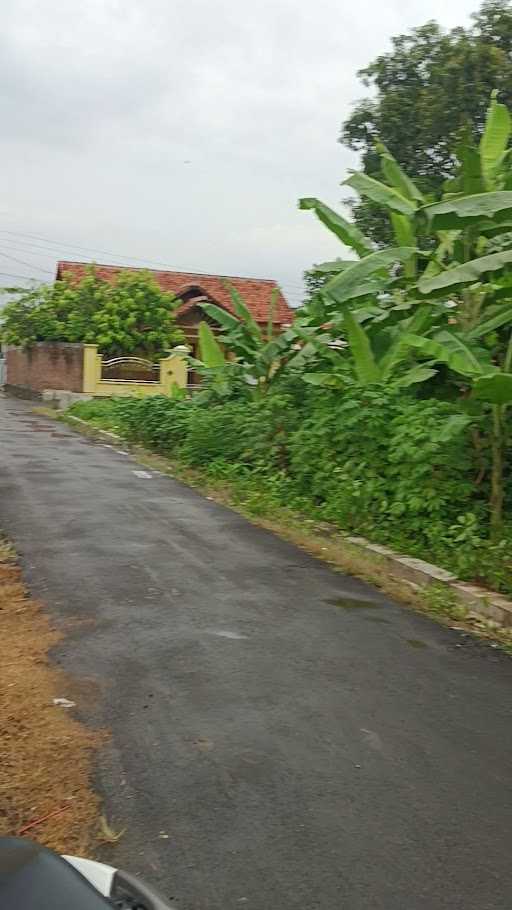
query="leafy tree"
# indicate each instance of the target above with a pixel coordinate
(429, 87)
(130, 315)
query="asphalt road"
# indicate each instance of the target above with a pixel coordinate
(282, 736)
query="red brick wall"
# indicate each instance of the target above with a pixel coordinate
(47, 365)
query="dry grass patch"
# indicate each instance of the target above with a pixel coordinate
(45, 755)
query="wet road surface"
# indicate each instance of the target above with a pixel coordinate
(283, 736)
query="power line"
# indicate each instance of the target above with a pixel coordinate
(290, 288)
(31, 265)
(73, 246)
(36, 250)
(10, 275)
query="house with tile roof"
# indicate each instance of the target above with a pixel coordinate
(193, 288)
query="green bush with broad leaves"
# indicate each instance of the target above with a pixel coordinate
(131, 315)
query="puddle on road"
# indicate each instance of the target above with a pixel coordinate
(348, 603)
(416, 643)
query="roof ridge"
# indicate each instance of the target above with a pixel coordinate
(140, 268)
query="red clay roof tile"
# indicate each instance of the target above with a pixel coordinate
(256, 292)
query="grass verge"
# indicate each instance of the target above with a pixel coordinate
(46, 755)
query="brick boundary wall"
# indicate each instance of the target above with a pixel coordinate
(46, 365)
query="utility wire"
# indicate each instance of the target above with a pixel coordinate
(43, 252)
(73, 246)
(62, 243)
(10, 275)
(31, 265)
(15, 244)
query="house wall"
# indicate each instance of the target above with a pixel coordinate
(51, 365)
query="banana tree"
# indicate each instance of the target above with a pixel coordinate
(377, 354)
(254, 354)
(464, 278)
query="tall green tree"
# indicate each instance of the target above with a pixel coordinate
(429, 88)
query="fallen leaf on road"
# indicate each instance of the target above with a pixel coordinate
(108, 834)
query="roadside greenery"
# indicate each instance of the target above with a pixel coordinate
(447, 309)
(385, 407)
(130, 315)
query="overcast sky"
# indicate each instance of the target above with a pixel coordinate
(183, 131)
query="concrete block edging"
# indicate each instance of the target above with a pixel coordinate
(487, 604)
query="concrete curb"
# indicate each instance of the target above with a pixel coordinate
(94, 432)
(419, 575)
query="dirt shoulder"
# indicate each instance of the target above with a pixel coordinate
(45, 754)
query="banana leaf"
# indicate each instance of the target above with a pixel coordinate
(348, 233)
(396, 176)
(449, 349)
(243, 312)
(353, 282)
(494, 141)
(380, 193)
(225, 319)
(403, 230)
(467, 273)
(495, 388)
(418, 373)
(470, 179)
(364, 361)
(501, 316)
(459, 211)
(422, 320)
(210, 351)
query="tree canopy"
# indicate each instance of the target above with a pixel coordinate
(130, 315)
(430, 88)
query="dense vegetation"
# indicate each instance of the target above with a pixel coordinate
(429, 87)
(130, 315)
(384, 408)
